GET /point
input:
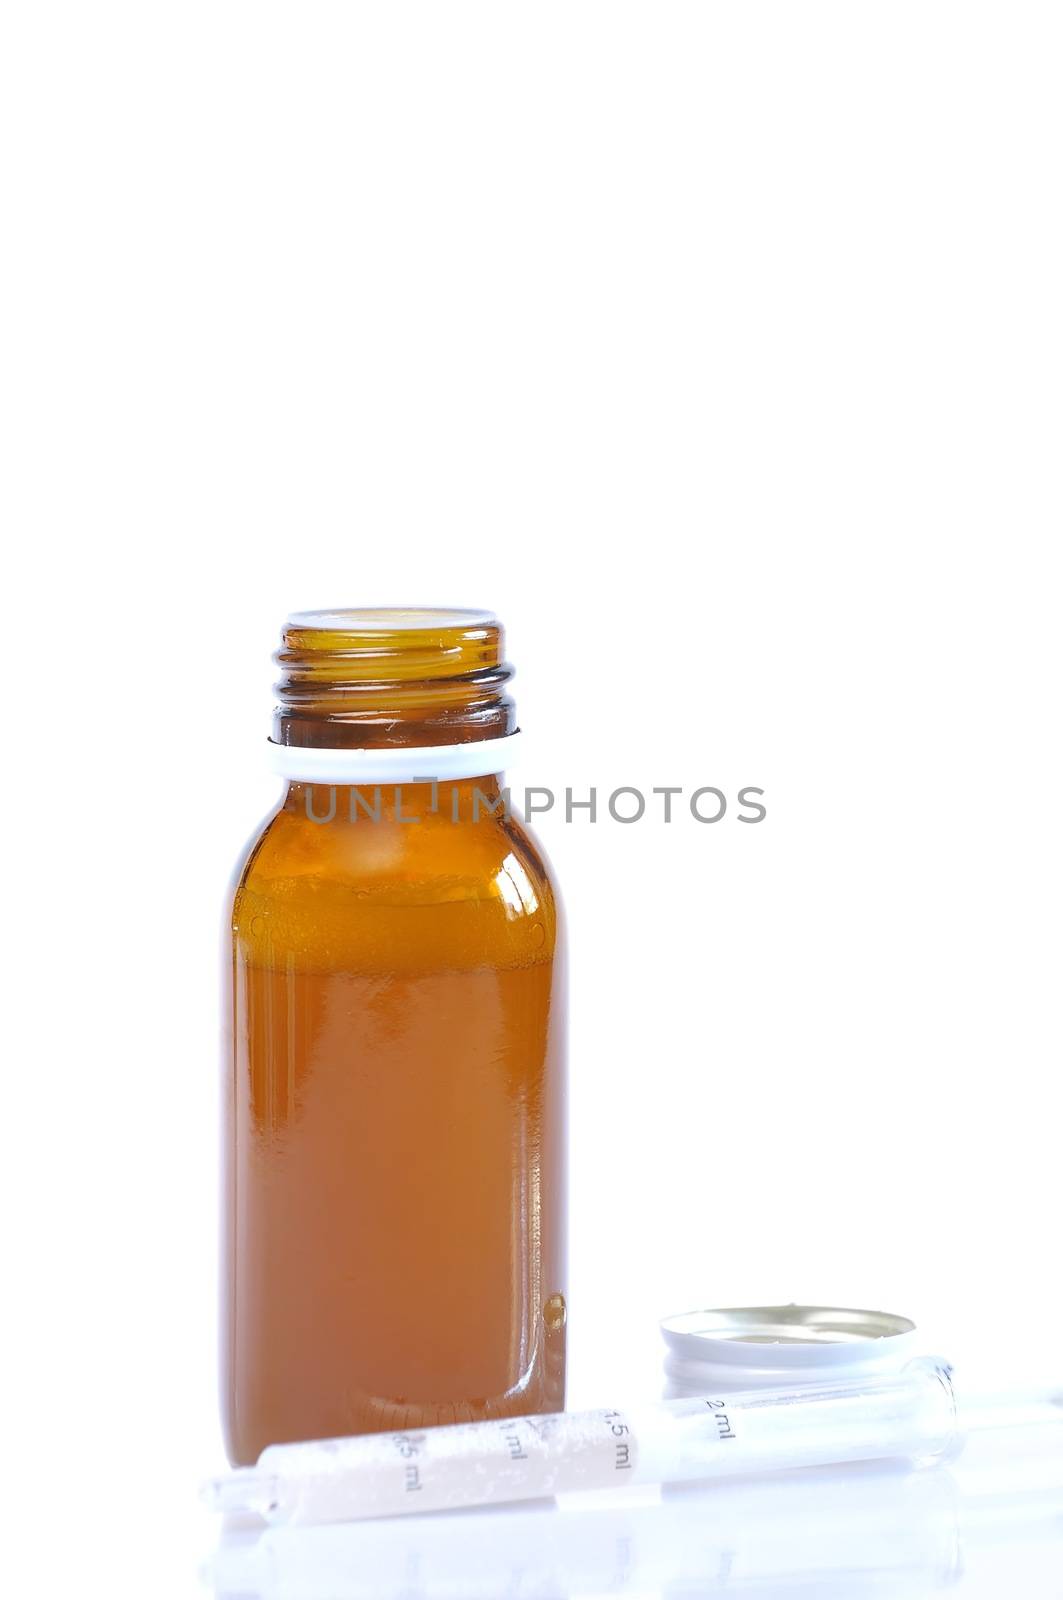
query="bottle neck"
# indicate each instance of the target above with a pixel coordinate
(391, 680)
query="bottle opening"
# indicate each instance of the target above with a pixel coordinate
(392, 619)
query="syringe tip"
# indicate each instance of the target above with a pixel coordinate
(245, 1489)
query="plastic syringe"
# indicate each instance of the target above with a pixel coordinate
(918, 1413)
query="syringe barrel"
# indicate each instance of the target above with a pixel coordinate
(907, 1415)
(911, 1414)
(435, 1469)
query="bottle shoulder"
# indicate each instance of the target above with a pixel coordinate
(341, 891)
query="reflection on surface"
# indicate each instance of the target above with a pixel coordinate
(516, 888)
(988, 1525)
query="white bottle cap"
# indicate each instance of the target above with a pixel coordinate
(760, 1347)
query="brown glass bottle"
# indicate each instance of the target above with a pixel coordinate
(393, 1242)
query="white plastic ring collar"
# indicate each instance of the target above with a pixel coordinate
(396, 764)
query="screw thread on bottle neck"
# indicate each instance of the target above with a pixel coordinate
(385, 677)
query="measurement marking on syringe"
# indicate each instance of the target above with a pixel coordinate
(537, 1454)
(408, 1445)
(619, 1429)
(512, 1438)
(721, 1419)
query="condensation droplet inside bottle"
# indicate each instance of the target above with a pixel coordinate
(538, 934)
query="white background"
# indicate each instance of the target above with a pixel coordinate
(717, 348)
